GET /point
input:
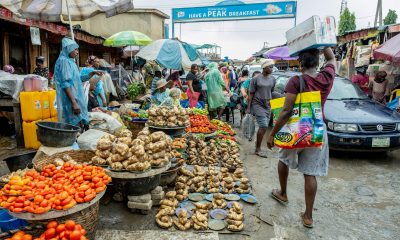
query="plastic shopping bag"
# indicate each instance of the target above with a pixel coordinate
(249, 126)
(305, 128)
(192, 101)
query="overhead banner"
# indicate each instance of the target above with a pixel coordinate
(235, 12)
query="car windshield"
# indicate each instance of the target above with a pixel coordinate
(253, 68)
(344, 89)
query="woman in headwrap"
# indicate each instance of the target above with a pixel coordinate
(71, 104)
(99, 91)
(215, 85)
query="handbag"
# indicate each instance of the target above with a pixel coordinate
(305, 128)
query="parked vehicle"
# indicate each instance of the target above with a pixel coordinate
(354, 121)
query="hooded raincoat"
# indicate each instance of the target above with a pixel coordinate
(215, 85)
(66, 75)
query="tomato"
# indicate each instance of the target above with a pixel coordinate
(70, 225)
(50, 233)
(75, 235)
(60, 228)
(27, 237)
(52, 224)
(38, 199)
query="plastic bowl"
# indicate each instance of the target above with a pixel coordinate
(8, 223)
(55, 134)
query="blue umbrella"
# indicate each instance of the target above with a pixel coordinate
(171, 54)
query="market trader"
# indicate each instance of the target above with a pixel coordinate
(71, 105)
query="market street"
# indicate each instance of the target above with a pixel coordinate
(360, 194)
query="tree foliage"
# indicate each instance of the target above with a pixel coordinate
(390, 18)
(347, 22)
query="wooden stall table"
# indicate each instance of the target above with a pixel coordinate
(6, 101)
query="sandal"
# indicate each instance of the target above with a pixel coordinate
(262, 154)
(306, 222)
(276, 194)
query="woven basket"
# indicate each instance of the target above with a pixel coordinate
(87, 217)
(80, 156)
(135, 127)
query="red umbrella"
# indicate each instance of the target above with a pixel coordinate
(390, 50)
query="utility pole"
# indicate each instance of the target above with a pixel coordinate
(343, 6)
(378, 14)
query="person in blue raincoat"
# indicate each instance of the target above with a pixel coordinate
(99, 91)
(71, 105)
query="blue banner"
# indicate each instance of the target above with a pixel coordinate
(235, 12)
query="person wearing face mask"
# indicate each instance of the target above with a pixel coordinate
(71, 104)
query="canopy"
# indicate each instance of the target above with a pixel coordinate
(279, 53)
(171, 54)
(76, 10)
(390, 50)
(204, 46)
(127, 38)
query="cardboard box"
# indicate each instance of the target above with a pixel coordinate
(312, 33)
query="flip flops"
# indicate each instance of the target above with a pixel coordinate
(262, 154)
(306, 222)
(275, 194)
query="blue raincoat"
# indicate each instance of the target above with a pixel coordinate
(66, 75)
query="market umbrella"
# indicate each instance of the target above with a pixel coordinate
(127, 38)
(390, 50)
(170, 53)
(279, 53)
(76, 10)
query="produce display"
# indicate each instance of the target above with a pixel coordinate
(167, 209)
(135, 89)
(179, 144)
(229, 185)
(198, 182)
(223, 128)
(53, 188)
(162, 116)
(200, 216)
(19, 173)
(219, 201)
(181, 184)
(203, 154)
(244, 186)
(238, 174)
(122, 153)
(213, 180)
(198, 111)
(229, 152)
(183, 222)
(235, 218)
(140, 115)
(200, 124)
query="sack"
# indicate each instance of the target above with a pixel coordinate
(305, 128)
(249, 126)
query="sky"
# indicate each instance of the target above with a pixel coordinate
(240, 39)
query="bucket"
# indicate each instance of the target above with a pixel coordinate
(20, 161)
(8, 223)
(55, 134)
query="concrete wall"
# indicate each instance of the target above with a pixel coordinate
(146, 22)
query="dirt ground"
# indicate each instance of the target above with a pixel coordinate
(359, 199)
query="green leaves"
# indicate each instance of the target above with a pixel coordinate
(347, 22)
(135, 89)
(390, 18)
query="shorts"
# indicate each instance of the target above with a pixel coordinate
(309, 161)
(262, 121)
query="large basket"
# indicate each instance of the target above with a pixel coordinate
(135, 127)
(87, 217)
(80, 156)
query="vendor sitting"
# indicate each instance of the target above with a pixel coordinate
(161, 94)
(93, 103)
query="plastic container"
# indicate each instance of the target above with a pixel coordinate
(28, 84)
(314, 32)
(20, 161)
(53, 103)
(45, 102)
(53, 134)
(30, 136)
(8, 223)
(31, 109)
(37, 84)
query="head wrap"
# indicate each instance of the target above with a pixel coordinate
(8, 68)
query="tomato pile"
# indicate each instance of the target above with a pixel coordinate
(66, 231)
(200, 124)
(53, 188)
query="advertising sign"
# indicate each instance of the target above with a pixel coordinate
(235, 12)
